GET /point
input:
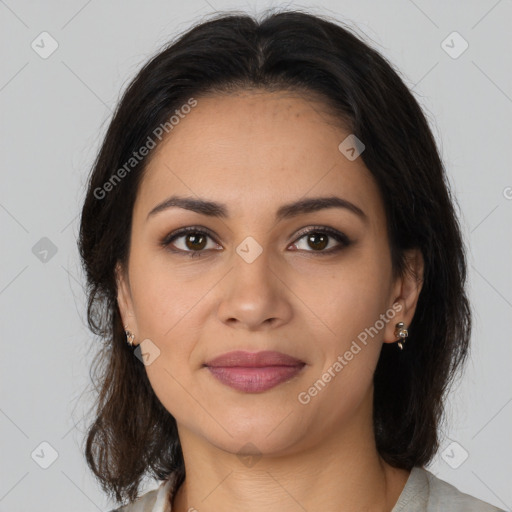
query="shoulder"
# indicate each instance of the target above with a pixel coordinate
(425, 492)
(144, 503)
(442, 494)
(152, 501)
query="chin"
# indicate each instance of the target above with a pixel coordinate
(261, 435)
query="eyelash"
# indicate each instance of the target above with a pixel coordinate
(337, 235)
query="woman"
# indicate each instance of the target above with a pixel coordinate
(276, 267)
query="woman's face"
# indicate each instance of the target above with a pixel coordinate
(256, 281)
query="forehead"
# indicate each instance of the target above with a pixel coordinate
(253, 150)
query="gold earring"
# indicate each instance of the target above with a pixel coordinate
(130, 337)
(401, 332)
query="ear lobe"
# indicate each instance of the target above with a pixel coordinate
(406, 292)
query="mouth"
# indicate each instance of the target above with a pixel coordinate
(254, 372)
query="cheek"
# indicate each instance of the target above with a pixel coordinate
(350, 335)
(351, 339)
(350, 296)
(163, 294)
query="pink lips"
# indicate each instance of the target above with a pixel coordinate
(253, 372)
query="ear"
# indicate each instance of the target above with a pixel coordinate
(406, 291)
(124, 299)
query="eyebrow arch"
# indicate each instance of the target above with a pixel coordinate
(286, 211)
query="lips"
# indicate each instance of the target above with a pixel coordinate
(254, 359)
(254, 372)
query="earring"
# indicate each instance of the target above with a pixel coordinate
(401, 332)
(129, 336)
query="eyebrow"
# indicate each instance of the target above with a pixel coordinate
(286, 211)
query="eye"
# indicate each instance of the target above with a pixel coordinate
(317, 238)
(194, 241)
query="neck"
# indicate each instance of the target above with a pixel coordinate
(341, 467)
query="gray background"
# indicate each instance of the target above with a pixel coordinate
(54, 112)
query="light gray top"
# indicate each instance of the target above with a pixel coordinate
(423, 492)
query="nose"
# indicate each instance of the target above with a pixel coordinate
(253, 296)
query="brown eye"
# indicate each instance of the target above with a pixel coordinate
(189, 241)
(318, 240)
(195, 242)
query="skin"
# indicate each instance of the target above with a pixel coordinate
(290, 299)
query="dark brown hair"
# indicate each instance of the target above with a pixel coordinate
(133, 435)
